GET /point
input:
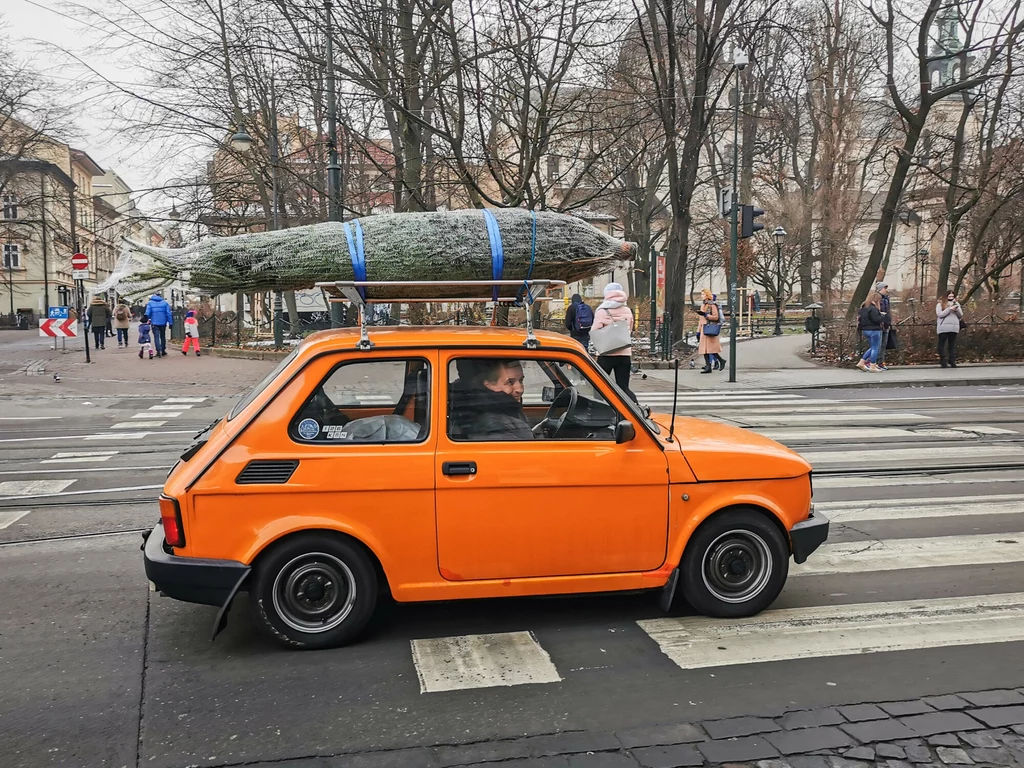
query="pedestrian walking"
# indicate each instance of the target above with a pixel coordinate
(191, 333)
(613, 327)
(145, 337)
(579, 319)
(99, 314)
(709, 327)
(159, 312)
(882, 289)
(869, 320)
(949, 320)
(122, 322)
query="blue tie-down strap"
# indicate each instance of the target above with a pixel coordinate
(497, 252)
(525, 290)
(355, 253)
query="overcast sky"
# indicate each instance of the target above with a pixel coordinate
(30, 23)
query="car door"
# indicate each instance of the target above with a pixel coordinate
(512, 506)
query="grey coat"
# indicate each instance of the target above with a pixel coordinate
(948, 318)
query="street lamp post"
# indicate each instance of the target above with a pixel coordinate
(739, 61)
(780, 238)
(922, 256)
(333, 167)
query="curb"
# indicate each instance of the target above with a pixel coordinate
(237, 353)
(991, 382)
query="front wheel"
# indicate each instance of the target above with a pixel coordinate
(314, 591)
(735, 565)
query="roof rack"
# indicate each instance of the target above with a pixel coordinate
(353, 291)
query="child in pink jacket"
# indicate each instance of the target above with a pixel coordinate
(613, 309)
(191, 333)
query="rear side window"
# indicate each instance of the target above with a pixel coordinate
(367, 401)
(242, 404)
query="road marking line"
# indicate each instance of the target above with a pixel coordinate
(913, 509)
(120, 435)
(138, 424)
(169, 408)
(77, 470)
(839, 630)
(850, 419)
(906, 456)
(185, 400)
(161, 415)
(79, 457)
(822, 483)
(982, 429)
(9, 518)
(28, 418)
(481, 661)
(110, 436)
(83, 493)
(832, 433)
(16, 488)
(899, 554)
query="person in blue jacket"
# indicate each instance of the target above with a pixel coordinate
(159, 312)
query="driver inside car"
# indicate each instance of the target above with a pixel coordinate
(493, 409)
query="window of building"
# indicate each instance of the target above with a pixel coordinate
(10, 207)
(373, 401)
(12, 256)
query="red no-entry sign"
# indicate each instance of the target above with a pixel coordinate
(79, 261)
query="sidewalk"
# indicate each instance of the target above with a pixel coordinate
(775, 362)
(28, 363)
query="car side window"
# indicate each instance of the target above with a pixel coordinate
(367, 401)
(525, 399)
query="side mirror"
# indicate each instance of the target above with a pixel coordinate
(624, 431)
(547, 394)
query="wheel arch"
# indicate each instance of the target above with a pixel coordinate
(738, 506)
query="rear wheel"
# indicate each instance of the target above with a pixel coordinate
(314, 591)
(735, 565)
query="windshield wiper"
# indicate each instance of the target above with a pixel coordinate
(194, 449)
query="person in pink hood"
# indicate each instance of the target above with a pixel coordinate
(617, 362)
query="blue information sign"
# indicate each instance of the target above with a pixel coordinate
(58, 313)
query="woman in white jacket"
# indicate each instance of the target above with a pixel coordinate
(616, 362)
(948, 315)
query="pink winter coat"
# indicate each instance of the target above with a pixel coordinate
(607, 315)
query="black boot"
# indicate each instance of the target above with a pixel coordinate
(707, 364)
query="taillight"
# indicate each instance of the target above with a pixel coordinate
(170, 518)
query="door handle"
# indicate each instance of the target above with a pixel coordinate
(452, 468)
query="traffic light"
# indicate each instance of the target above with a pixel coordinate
(749, 224)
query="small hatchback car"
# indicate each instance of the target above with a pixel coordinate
(443, 463)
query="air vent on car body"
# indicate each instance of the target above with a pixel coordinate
(266, 472)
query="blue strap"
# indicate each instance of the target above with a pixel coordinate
(355, 253)
(497, 252)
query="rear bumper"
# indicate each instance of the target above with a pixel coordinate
(191, 579)
(808, 535)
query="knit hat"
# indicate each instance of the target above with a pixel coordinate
(190, 313)
(880, 285)
(612, 287)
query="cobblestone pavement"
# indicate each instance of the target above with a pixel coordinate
(984, 728)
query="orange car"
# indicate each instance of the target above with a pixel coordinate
(442, 463)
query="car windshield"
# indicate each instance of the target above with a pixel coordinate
(242, 404)
(640, 411)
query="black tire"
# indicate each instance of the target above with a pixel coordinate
(735, 565)
(314, 590)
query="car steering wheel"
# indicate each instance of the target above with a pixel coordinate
(561, 420)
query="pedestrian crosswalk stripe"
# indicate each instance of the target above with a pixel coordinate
(481, 661)
(836, 483)
(185, 400)
(176, 407)
(831, 433)
(872, 418)
(716, 405)
(908, 456)
(839, 630)
(983, 429)
(912, 509)
(900, 554)
(162, 415)
(138, 424)
(8, 518)
(79, 457)
(32, 487)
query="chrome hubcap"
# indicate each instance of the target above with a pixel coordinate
(314, 592)
(737, 566)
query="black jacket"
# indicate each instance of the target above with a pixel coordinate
(480, 414)
(869, 318)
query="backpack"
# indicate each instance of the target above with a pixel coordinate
(584, 318)
(122, 313)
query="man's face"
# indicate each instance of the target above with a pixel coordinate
(885, 290)
(510, 380)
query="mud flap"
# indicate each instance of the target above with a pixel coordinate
(668, 592)
(222, 615)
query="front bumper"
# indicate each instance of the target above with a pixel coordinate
(808, 535)
(191, 579)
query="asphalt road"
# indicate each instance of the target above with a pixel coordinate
(921, 577)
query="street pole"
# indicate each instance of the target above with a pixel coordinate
(653, 275)
(10, 282)
(778, 288)
(276, 213)
(739, 61)
(333, 167)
